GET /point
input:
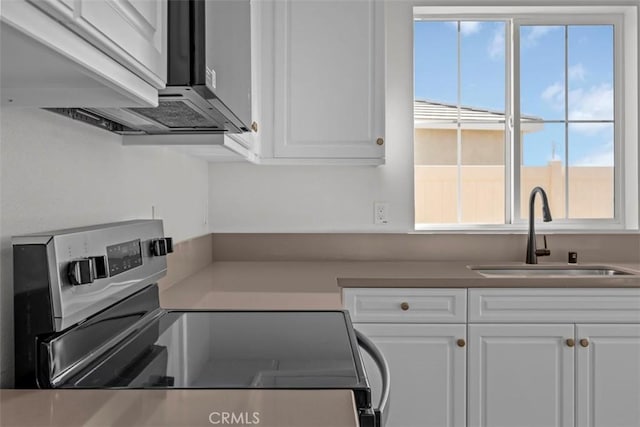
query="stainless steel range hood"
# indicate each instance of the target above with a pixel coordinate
(208, 75)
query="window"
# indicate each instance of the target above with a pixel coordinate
(567, 82)
(507, 102)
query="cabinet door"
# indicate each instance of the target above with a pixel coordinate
(608, 383)
(329, 82)
(48, 62)
(61, 9)
(521, 376)
(427, 367)
(133, 32)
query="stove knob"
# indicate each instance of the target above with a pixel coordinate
(162, 246)
(81, 271)
(100, 270)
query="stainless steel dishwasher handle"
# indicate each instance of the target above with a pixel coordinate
(382, 411)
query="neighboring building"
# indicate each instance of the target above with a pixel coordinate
(482, 169)
(483, 141)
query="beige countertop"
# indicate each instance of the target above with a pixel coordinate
(316, 285)
(273, 408)
(270, 285)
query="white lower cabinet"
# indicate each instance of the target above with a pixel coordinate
(534, 358)
(597, 379)
(428, 372)
(521, 376)
(541, 375)
(608, 375)
(422, 334)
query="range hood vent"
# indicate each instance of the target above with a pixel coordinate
(204, 39)
(86, 116)
(177, 114)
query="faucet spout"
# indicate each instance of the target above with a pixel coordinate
(532, 252)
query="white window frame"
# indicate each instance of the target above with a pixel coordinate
(625, 22)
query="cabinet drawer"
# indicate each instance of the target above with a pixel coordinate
(372, 305)
(554, 305)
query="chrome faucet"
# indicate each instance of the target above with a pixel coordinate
(532, 252)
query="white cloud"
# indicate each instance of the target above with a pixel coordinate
(535, 33)
(496, 45)
(577, 72)
(592, 128)
(467, 27)
(602, 156)
(596, 159)
(554, 95)
(593, 103)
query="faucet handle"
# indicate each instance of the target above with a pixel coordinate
(545, 251)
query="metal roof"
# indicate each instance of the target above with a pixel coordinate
(439, 115)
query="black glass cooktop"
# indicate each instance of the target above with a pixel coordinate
(233, 349)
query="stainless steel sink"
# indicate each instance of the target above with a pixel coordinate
(548, 271)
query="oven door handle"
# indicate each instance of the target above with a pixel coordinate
(382, 411)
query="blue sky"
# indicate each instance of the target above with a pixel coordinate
(542, 63)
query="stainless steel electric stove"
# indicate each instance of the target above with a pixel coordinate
(87, 315)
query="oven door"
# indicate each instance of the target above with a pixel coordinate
(210, 349)
(141, 363)
(381, 413)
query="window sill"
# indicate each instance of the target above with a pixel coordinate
(522, 229)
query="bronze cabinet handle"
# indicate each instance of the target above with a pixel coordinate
(570, 342)
(404, 306)
(584, 342)
(380, 141)
(461, 342)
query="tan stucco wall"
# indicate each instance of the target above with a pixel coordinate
(482, 181)
(590, 192)
(439, 147)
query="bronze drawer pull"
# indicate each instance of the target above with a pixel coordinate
(584, 342)
(570, 342)
(461, 342)
(404, 306)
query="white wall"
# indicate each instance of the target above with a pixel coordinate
(57, 173)
(329, 198)
(248, 198)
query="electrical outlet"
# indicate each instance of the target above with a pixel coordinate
(380, 212)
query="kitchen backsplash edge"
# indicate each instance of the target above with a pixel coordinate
(188, 257)
(419, 247)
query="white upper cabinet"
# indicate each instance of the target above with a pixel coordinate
(83, 53)
(131, 31)
(328, 80)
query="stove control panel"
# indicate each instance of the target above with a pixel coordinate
(124, 256)
(87, 269)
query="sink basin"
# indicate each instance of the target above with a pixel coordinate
(548, 271)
